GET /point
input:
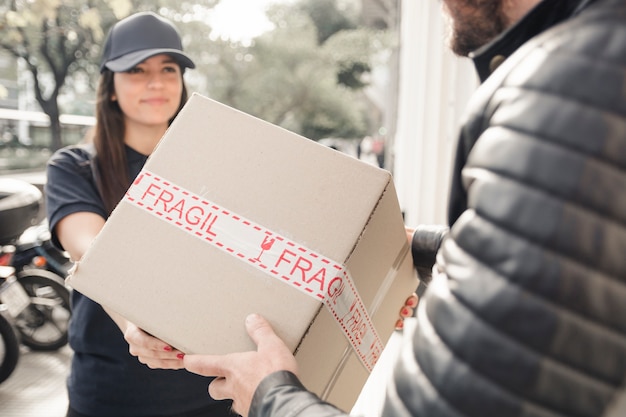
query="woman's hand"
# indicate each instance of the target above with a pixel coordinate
(407, 310)
(152, 352)
(409, 234)
(76, 232)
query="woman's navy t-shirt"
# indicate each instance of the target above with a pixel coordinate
(105, 380)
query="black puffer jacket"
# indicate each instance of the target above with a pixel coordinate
(527, 317)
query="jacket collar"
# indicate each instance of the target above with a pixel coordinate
(543, 16)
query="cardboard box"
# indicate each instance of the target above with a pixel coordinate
(233, 215)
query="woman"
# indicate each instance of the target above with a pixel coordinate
(117, 369)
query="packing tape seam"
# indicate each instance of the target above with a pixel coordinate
(376, 302)
(238, 235)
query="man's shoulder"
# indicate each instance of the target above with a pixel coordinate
(595, 26)
(559, 62)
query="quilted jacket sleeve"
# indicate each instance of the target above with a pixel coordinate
(527, 315)
(282, 394)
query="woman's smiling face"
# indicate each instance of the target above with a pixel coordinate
(149, 94)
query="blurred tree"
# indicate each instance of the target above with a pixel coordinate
(307, 75)
(294, 77)
(54, 40)
(57, 39)
(330, 16)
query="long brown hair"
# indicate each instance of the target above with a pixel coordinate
(111, 167)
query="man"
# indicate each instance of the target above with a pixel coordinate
(525, 316)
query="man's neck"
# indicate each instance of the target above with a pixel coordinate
(516, 9)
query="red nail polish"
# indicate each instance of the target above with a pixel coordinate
(405, 312)
(167, 348)
(411, 302)
(180, 356)
(399, 324)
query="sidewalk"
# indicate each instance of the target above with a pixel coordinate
(37, 386)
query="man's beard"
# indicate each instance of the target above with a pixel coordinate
(474, 23)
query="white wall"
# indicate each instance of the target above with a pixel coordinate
(434, 87)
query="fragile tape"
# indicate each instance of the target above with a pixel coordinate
(324, 279)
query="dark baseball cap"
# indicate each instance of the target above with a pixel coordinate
(139, 37)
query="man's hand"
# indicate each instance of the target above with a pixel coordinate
(239, 374)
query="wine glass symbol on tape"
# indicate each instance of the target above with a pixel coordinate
(266, 245)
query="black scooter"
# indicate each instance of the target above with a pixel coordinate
(34, 250)
(42, 319)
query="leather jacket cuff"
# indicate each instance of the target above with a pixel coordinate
(282, 394)
(424, 247)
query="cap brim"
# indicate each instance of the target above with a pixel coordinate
(128, 61)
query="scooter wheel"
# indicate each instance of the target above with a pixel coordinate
(43, 325)
(9, 349)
